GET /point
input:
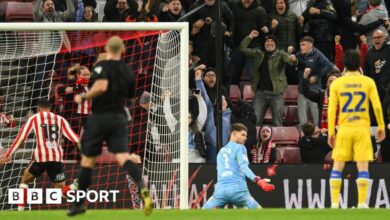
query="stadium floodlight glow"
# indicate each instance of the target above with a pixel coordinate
(22, 43)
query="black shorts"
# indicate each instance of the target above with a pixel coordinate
(109, 127)
(53, 169)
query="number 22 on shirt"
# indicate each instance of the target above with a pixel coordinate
(359, 96)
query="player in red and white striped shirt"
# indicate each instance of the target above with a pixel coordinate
(48, 128)
(76, 114)
(83, 108)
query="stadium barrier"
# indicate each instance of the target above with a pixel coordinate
(297, 186)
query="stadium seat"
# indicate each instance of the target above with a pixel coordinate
(235, 93)
(291, 115)
(291, 94)
(285, 136)
(291, 155)
(16, 11)
(248, 94)
(279, 158)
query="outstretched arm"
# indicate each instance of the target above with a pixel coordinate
(69, 133)
(170, 119)
(242, 159)
(243, 162)
(377, 107)
(24, 131)
(37, 11)
(70, 10)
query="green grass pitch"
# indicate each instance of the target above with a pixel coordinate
(233, 214)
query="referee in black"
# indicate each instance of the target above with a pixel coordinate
(113, 85)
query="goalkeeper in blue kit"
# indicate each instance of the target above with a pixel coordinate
(232, 167)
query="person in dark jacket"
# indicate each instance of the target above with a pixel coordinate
(385, 144)
(378, 62)
(312, 62)
(376, 11)
(119, 10)
(321, 97)
(243, 112)
(210, 82)
(347, 28)
(285, 25)
(202, 27)
(248, 16)
(91, 3)
(269, 79)
(313, 145)
(171, 12)
(267, 5)
(321, 17)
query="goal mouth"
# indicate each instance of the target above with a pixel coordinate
(35, 59)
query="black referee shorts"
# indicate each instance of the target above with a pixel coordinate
(109, 127)
(53, 169)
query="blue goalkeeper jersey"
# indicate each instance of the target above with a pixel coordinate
(233, 166)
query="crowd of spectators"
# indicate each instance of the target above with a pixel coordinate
(267, 44)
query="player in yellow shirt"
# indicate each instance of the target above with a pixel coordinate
(350, 95)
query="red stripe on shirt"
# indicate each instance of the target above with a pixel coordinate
(24, 131)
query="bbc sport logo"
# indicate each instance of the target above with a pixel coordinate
(54, 196)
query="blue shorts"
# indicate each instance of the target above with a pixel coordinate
(238, 198)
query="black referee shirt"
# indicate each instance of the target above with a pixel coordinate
(121, 83)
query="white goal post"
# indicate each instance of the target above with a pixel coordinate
(181, 61)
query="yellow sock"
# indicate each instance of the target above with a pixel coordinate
(335, 187)
(362, 185)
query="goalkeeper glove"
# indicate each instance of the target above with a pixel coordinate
(263, 184)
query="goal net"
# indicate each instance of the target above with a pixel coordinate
(41, 62)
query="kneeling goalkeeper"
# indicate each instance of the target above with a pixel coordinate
(232, 167)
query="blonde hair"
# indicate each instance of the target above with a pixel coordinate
(115, 45)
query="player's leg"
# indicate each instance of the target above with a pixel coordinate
(129, 164)
(341, 153)
(56, 174)
(87, 164)
(30, 173)
(243, 199)
(84, 180)
(363, 182)
(251, 203)
(335, 182)
(214, 202)
(118, 142)
(91, 148)
(363, 153)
